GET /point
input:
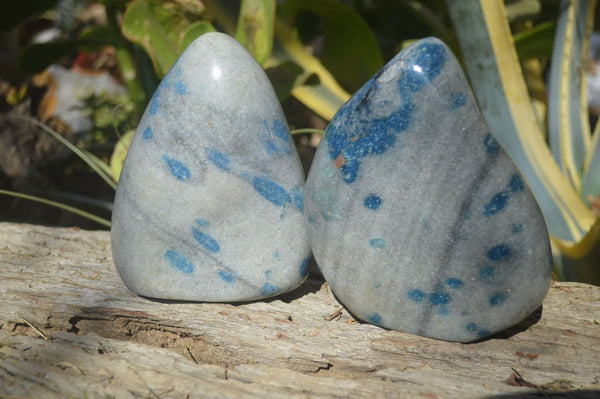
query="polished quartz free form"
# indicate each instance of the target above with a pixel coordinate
(417, 218)
(209, 202)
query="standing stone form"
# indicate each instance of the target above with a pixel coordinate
(417, 218)
(210, 200)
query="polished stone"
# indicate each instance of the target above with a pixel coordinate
(417, 218)
(209, 203)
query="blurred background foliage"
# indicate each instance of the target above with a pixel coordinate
(83, 71)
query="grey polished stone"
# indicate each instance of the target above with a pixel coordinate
(209, 203)
(417, 218)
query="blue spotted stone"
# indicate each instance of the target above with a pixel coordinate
(416, 214)
(209, 206)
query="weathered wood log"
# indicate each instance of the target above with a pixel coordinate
(70, 328)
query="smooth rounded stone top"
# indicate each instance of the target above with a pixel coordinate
(209, 203)
(417, 218)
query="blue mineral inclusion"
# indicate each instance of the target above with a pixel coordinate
(180, 87)
(453, 282)
(501, 252)
(298, 197)
(459, 100)
(372, 202)
(277, 130)
(416, 295)
(147, 134)
(354, 134)
(517, 228)
(178, 169)
(154, 104)
(439, 298)
(271, 191)
(500, 200)
(269, 289)
(220, 159)
(205, 240)
(374, 318)
(304, 267)
(497, 299)
(377, 243)
(226, 276)
(491, 145)
(474, 328)
(179, 261)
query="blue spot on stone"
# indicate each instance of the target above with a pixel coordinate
(219, 159)
(179, 261)
(491, 145)
(439, 298)
(489, 274)
(359, 136)
(374, 318)
(298, 196)
(496, 204)
(428, 60)
(205, 240)
(459, 100)
(180, 87)
(517, 228)
(226, 276)
(154, 104)
(473, 327)
(202, 222)
(499, 201)
(416, 295)
(500, 252)
(497, 299)
(148, 134)
(304, 267)
(377, 243)
(453, 282)
(269, 289)
(178, 169)
(281, 130)
(372, 202)
(277, 255)
(271, 191)
(516, 184)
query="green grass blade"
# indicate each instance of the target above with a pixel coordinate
(498, 83)
(100, 170)
(67, 208)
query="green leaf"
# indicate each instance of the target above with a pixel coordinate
(194, 31)
(119, 154)
(141, 26)
(323, 95)
(536, 42)
(350, 50)
(255, 27)
(568, 126)
(590, 186)
(498, 83)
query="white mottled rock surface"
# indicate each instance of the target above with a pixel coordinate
(209, 203)
(417, 218)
